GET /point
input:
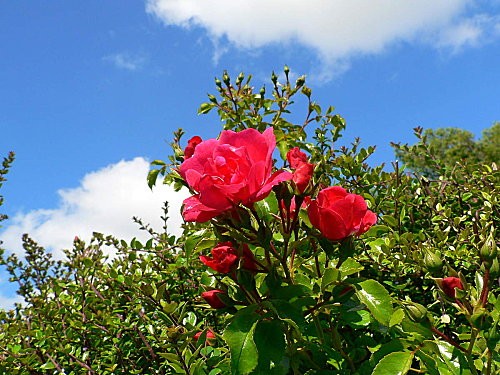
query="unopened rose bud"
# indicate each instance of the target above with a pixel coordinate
(239, 79)
(494, 269)
(433, 261)
(448, 285)
(300, 81)
(213, 299)
(286, 69)
(274, 78)
(209, 338)
(489, 249)
(192, 143)
(226, 79)
(415, 311)
(306, 91)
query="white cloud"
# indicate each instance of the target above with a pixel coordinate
(126, 61)
(336, 29)
(105, 202)
(472, 31)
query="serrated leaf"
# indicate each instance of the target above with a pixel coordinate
(239, 336)
(377, 299)
(397, 363)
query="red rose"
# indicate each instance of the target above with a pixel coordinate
(339, 214)
(208, 338)
(448, 285)
(303, 170)
(295, 157)
(213, 299)
(224, 172)
(224, 257)
(192, 143)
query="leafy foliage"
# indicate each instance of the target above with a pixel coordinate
(372, 304)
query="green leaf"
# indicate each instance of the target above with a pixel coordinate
(270, 341)
(397, 317)
(393, 222)
(349, 267)
(205, 108)
(152, 176)
(397, 363)
(330, 276)
(239, 336)
(377, 300)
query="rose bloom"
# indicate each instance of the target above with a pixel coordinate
(448, 285)
(339, 214)
(234, 169)
(212, 298)
(225, 257)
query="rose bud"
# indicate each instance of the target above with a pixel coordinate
(338, 214)
(192, 143)
(448, 285)
(303, 169)
(212, 298)
(209, 338)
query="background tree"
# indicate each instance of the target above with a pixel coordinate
(441, 147)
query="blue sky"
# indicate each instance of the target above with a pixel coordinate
(91, 91)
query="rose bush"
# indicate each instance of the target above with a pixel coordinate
(338, 214)
(235, 169)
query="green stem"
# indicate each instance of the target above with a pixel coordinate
(338, 345)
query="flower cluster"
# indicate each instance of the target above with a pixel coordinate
(236, 170)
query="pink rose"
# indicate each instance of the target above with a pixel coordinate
(303, 169)
(339, 214)
(234, 169)
(212, 298)
(192, 143)
(225, 257)
(448, 285)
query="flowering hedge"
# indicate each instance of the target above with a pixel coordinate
(297, 257)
